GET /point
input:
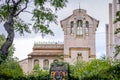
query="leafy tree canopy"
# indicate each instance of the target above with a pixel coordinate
(42, 14)
(42, 11)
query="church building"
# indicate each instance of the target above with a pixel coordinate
(79, 43)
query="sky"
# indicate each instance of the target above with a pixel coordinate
(98, 9)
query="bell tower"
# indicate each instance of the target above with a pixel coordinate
(79, 36)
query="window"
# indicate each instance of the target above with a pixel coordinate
(79, 57)
(55, 61)
(36, 62)
(46, 64)
(87, 28)
(79, 27)
(71, 27)
(36, 65)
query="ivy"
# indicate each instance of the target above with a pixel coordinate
(117, 50)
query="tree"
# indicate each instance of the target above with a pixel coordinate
(42, 16)
(117, 31)
(117, 47)
(10, 68)
(10, 50)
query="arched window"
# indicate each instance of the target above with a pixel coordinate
(55, 61)
(79, 57)
(79, 27)
(46, 64)
(71, 27)
(87, 28)
(36, 62)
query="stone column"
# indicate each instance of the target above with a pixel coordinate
(29, 64)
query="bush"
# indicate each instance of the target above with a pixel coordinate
(38, 74)
(96, 70)
(10, 69)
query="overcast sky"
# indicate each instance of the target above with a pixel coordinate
(98, 9)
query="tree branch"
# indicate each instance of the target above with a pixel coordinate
(28, 12)
(15, 4)
(13, 1)
(22, 9)
(7, 1)
(18, 2)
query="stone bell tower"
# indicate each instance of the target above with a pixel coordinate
(79, 36)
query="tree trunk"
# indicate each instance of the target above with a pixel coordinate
(10, 37)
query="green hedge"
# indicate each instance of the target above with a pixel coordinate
(96, 70)
(46, 77)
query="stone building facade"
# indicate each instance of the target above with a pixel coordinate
(79, 43)
(112, 39)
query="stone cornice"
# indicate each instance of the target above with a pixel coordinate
(48, 46)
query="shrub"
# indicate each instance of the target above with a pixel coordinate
(96, 70)
(10, 70)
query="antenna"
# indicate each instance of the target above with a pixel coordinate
(79, 7)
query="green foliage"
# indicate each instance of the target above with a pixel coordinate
(117, 50)
(117, 20)
(58, 3)
(117, 17)
(36, 70)
(2, 39)
(38, 74)
(39, 2)
(10, 69)
(117, 31)
(11, 49)
(4, 11)
(21, 27)
(42, 15)
(96, 70)
(75, 68)
(41, 28)
(114, 71)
